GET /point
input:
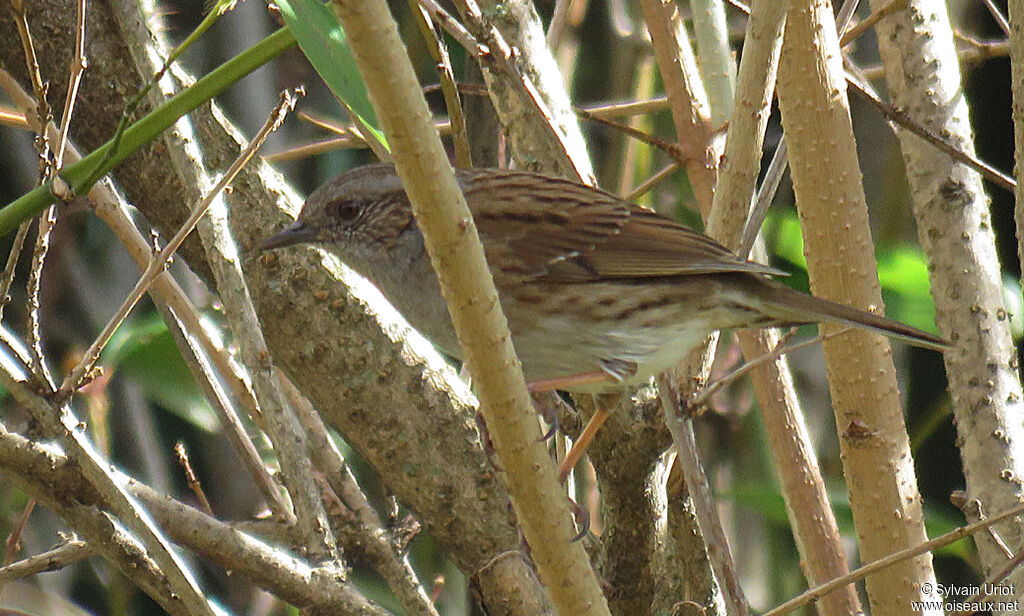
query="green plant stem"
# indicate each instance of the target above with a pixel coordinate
(97, 163)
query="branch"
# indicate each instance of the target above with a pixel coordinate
(457, 255)
(51, 478)
(953, 225)
(877, 461)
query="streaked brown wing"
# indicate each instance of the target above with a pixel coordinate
(566, 231)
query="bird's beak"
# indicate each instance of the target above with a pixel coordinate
(295, 233)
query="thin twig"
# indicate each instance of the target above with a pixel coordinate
(681, 426)
(182, 315)
(328, 124)
(235, 547)
(452, 26)
(78, 66)
(903, 120)
(984, 592)
(978, 49)
(315, 148)
(534, 109)
(279, 421)
(377, 541)
(845, 15)
(557, 24)
(674, 150)
(35, 280)
(13, 544)
(219, 9)
(998, 16)
(7, 277)
(973, 510)
(16, 119)
(211, 366)
(652, 181)
(779, 163)
(42, 107)
(765, 195)
(9, 84)
(740, 6)
(856, 31)
(190, 476)
(350, 137)
(779, 350)
(46, 221)
(442, 62)
(178, 587)
(890, 560)
(59, 557)
(630, 108)
(161, 259)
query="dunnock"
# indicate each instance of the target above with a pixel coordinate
(599, 293)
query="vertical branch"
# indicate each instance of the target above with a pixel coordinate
(691, 114)
(687, 99)
(717, 66)
(526, 88)
(35, 280)
(826, 178)
(457, 255)
(1016, 10)
(452, 100)
(280, 421)
(49, 218)
(10, 268)
(46, 221)
(78, 66)
(705, 508)
(393, 566)
(952, 213)
(811, 519)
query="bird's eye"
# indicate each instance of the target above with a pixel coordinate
(347, 211)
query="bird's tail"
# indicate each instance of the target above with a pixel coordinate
(794, 307)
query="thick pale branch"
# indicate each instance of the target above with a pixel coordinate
(840, 257)
(952, 213)
(457, 255)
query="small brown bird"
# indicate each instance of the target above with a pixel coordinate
(599, 293)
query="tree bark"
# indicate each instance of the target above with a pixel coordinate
(837, 241)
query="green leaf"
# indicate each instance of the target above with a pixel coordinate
(905, 288)
(323, 41)
(902, 272)
(789, 242)
(144, 352)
